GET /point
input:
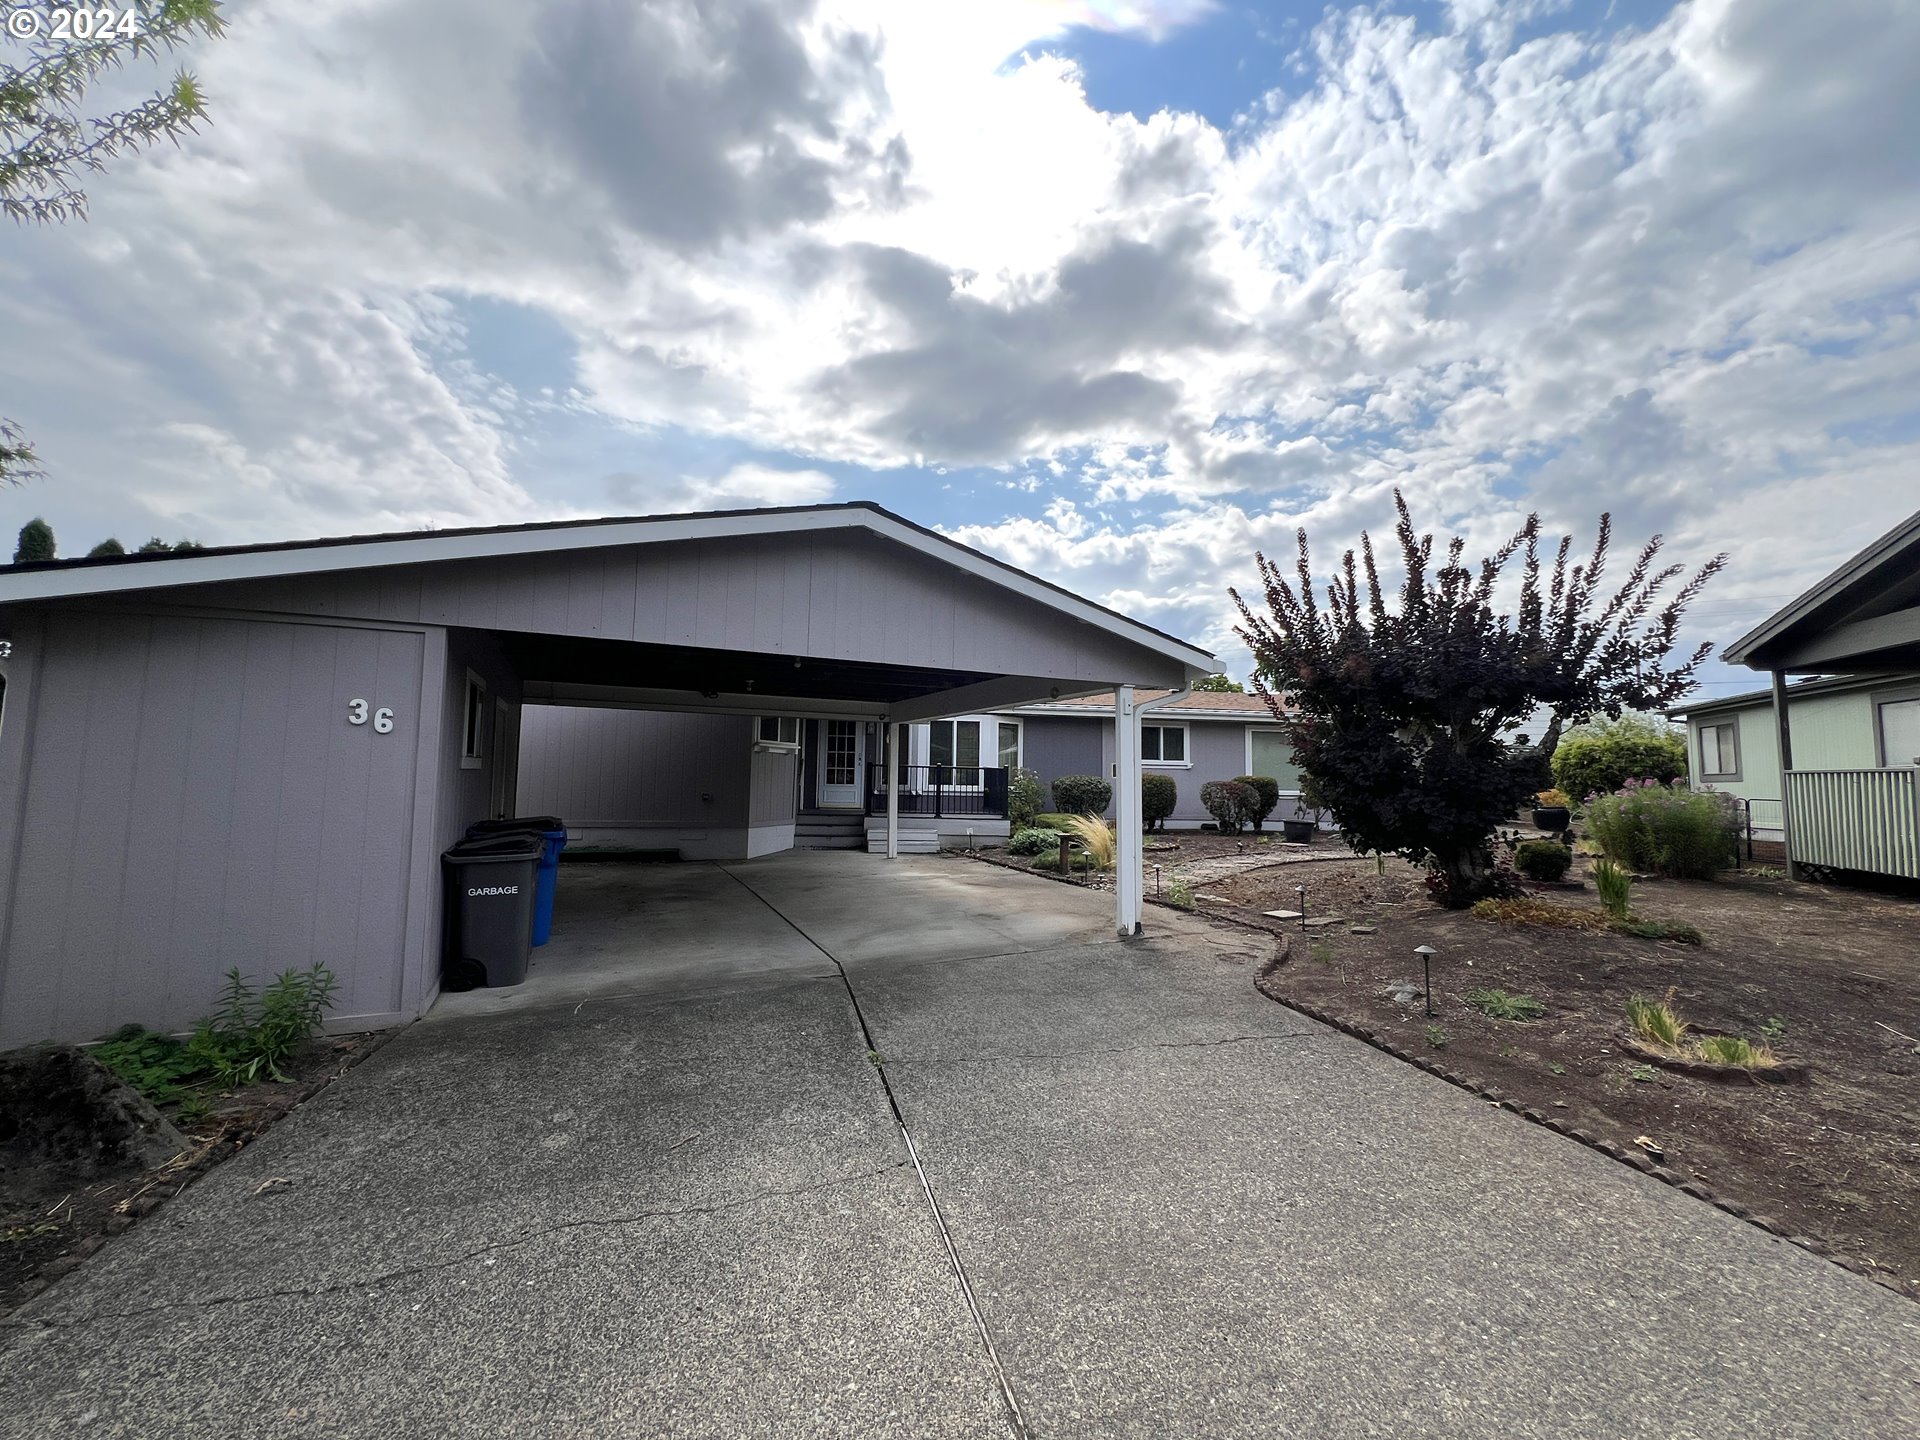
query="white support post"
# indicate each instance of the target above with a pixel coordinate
(1128, 860)
(893, 790)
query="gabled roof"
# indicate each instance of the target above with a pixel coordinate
(1201, 704)
(1882, 578)
(121, 574)
(1822, 685)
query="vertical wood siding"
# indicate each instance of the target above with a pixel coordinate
(195, 799)
(1857, 819)
(619, 769)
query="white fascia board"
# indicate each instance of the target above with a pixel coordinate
(429, 548)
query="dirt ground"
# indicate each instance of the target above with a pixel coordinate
(1824, 975)
(41, 1243)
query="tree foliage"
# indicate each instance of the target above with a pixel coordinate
(1600, 756)
(1219, 684)
(1404, 709)
(109, 546)
(48, 141)
(36, 542)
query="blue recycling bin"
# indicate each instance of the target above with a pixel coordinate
(553, 830)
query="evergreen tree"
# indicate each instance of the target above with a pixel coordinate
(36, 541)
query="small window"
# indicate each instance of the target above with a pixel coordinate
(780, 730)
(1719, 751)
(1163, 744)
(1009, 745)
(473, 730)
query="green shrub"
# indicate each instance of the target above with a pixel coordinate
(1502, 1005)
(250, 1035)
(1082, 795)
(1668, 829)
(1034, 841)
(1600, 757)
(1229, 802)
(1266, 795)
(1180, 895)
(1054, 820)
(1023, 797)
(1542, 859)
(1616, 889)
(1158, 796)
(158, 1066)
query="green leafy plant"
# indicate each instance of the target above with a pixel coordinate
(1733, 1050)
(1023, 797)
(1498, 1004)
(1542, 859)
(1557, 1068)
(1775, 1028)
(1599, 756)
(1643, 1073)
(1180, 895)
(1437, 1037)
(1158, 797)
(1230, 803)
(1657, 1022)
(1615, 886)
(1034, 841)
(251, 1035)
(1082, 795)
(1266, 795)
(1667, 829)
(159, 1066)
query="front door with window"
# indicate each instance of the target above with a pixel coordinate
(841, 763)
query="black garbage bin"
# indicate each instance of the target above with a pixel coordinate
(491, 886)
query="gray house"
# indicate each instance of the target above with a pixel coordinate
(253, 756)
(1193, 738)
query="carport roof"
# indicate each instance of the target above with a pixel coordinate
(120, 574)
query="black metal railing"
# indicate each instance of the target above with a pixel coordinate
(941, 790)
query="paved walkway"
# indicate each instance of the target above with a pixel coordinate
(687, 1209)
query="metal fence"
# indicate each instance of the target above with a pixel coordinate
(939, 790)
(1866, 820)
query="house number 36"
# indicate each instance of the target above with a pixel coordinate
(357, 715)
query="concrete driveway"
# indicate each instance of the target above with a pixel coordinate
(679, 1204)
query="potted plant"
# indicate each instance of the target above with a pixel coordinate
(1552, 811)
(1305, 820)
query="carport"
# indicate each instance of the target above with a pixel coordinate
(253, 756)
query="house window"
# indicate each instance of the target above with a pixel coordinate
(473, 725)
(956, 743)
(1900, 732)
(1163, 744)
(1009, 744)
(1719, 751)
(781, 730)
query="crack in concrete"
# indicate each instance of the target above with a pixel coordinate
(635, 1217)
(1115, 1050)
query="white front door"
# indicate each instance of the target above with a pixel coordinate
(841, 766)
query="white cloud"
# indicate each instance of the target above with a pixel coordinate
(743, 487)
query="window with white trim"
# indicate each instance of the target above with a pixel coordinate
(780, 730)
(1163, 744)
(1719, 751)
(473, 725)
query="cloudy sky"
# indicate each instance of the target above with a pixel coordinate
(1119, 290)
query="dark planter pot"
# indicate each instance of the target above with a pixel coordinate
(1552, 817)
(1298, 832)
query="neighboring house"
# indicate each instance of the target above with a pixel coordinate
(1843, 723)
(1846, 748)
(1207, 735)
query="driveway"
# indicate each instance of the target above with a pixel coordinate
(686, 1208)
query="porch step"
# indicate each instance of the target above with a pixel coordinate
(912, 842)
(829, 830)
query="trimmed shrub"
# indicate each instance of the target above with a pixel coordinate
(1158, 796)
(1054, 820)
(1266, 795)
(1023, 797)
(1599, 758)
(1034, 841)
(1082, 795)
(1667, 829)
(1542, 859)
(1229, 802)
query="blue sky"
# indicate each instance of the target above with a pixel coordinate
(1120, 290)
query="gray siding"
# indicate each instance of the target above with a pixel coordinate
(1053, 746)
(629, 769)
(775, 779)
(196, 800)
(840, 595)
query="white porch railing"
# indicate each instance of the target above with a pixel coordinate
(1855, 820)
